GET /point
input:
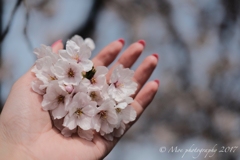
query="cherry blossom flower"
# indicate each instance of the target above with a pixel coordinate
(44, 73)
(98, 80)
(121, 83)
(76, 89)
(68, 73)
(99, 95)
(78, 54)
(43, 68)
(106, 117)
(54, 100)
(81, 111)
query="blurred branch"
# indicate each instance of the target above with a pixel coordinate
(5, 32)
(164, 7)
(87, 29)
(25, 27)
(1, 22)
(231, 16)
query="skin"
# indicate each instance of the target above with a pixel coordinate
(26, 131)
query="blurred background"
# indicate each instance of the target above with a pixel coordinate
(198, 42)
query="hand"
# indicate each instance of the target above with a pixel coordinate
(26, 131)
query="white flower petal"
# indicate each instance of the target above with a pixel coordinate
(112, 117)
(89, 42)
(86, 134)
(59, 112)
(109, 137)
(96, 121)
(101, 71)
(67, 132)
(58, 123)
(36, 87)
(129, 114)
(91, 109)
(87, 64)
(122, 105)
(119, 132)
(85, 52)
(84, 122)
(78, 40)
(72, 48)
(64, 54)
(86, 82)
(70, 122)
(106, 127)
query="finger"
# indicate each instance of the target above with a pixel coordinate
(129, 56)
(109, 53)
(144, 71)
(57, 46)
(145, 97)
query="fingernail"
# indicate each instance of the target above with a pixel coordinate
(56, 42)
(122, 41)
(155, 55)
(142, 42)
(157, 81)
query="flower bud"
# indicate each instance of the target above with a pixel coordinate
(69, 88)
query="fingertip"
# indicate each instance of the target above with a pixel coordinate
(157, 81)
(155, 55)
(142, 42)
(122, 41)
(55, 43)
(152, 61)
(153, 86)
(57, 46)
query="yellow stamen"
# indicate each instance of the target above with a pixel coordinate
(93, 95)
(118, 110)
(103, 114)
(51, 78)
(75, 57)
(79, 112)
(70, 73)
(93, 80)
(60, 99)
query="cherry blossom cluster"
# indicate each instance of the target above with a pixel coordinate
(77, 95)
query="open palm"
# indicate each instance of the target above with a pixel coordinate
(26, 131)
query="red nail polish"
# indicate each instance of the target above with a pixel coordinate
(142, 42)
(157, 81)
(56, 42)
(155, 55)
(122, 41)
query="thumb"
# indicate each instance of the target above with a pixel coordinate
(57, 46)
